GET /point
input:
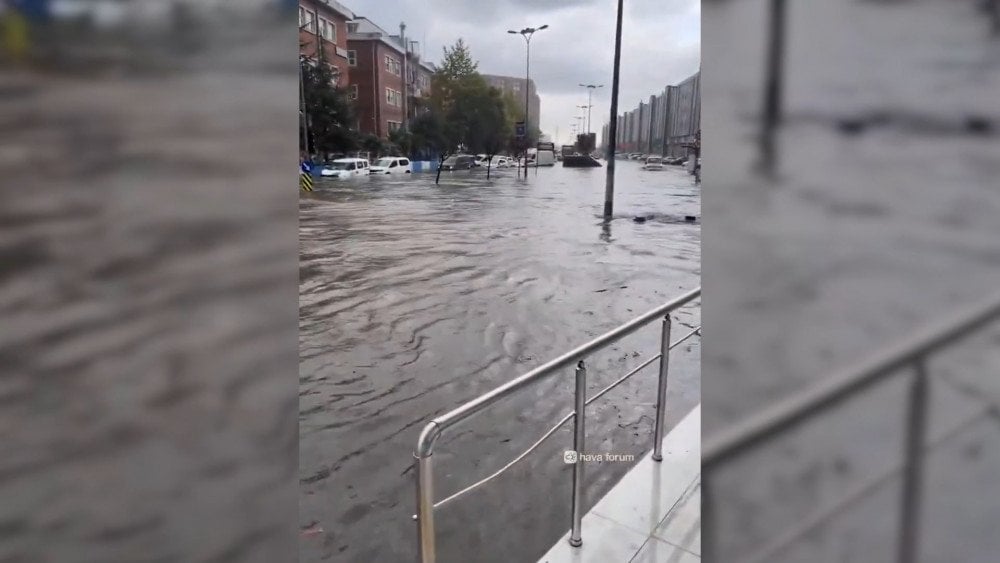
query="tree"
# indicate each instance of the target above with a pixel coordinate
(328, 110)
(490, 127)
(457, 62)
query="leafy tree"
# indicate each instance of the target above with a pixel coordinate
(457, 62)
(328, 110)
(427, 135)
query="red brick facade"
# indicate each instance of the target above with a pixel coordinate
(379, 83)
(317, 19)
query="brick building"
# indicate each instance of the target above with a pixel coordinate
(376, 77)
(515, 86)
(323, 31)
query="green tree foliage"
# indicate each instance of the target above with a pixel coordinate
(427, 134)
(457, 63)
(328, 110)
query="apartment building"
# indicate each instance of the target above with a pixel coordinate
(323, 34)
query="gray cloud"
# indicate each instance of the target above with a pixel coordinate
(660, 45)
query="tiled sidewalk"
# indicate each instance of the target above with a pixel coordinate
(653, 514)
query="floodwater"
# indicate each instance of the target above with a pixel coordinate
(416, 297)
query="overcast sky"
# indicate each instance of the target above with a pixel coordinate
(661, 44)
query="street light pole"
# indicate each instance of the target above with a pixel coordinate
(527, 33)
(609, 187)
(590, 100)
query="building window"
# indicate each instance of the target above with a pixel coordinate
(393, 65)
(352, 28)
(352, 58)
(307, 20)
(394, 125)
(393, 97)
(327, 29)
(353, 92)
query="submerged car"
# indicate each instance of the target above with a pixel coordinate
(458, 162)
(653, 163)
(391, 165)
(500, 162)
(346, 168)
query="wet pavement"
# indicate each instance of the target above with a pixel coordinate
(415, 298)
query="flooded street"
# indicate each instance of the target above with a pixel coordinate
(415, 298)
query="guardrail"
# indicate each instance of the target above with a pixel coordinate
(785, 415)
(434, 429)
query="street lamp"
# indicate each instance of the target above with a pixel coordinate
(590, 99)
(527, 33)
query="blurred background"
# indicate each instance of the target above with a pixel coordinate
(148, 281)
(867, 213)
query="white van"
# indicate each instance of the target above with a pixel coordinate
(391, 165)
(346, 168)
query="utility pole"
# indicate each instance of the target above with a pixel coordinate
(609, 186)
(773, 85)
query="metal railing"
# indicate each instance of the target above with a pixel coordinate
(728, 445)
(434, 429)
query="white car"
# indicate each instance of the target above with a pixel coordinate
(501, 162)
(653, 163)
(479, 160)
(391, 165)
(346, 168)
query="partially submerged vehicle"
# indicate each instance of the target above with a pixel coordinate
(653, 163)
(391, 165)
(346, 168)
(458, 162)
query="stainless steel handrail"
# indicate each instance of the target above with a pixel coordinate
(787, 414)
(433, 430)
(559, 424)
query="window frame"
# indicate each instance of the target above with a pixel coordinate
(331, 26)
(352, 57)
(307, 20)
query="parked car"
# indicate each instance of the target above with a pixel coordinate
(391, 165)
(458, 162)
(653, 163)
(501, 162)
(346, 168)
(479, 160)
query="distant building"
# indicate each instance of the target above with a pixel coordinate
(515, 86)
(666, 125)
(323, 31)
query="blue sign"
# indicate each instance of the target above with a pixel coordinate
(519, 130)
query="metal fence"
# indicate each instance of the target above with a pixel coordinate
(725, 447)
(434, 429)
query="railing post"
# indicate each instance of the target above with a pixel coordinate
(575, 538)
(425, 493)
(661, 390)
(913, 470)
(425, 509)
